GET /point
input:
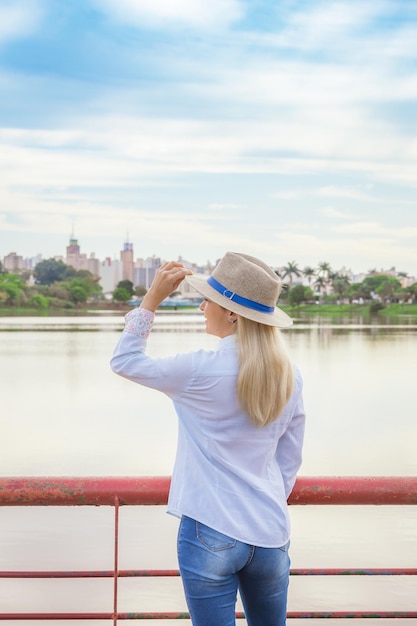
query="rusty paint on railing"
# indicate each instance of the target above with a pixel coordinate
(354, 490)
(85, 491)
(184, 615)
(105, 491)
(116, 559)
(166, 573)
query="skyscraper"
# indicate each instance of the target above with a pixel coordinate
(126, 257)
(79, 261)
(74, 256)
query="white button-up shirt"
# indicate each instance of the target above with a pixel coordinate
(229, 474)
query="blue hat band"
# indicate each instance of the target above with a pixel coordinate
(230, 295)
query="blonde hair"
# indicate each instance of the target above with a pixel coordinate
(266, 376)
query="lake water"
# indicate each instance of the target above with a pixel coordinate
(63, 412)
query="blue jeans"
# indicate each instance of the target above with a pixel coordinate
(214, 567)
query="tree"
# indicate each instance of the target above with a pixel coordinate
(410, 292)
(324, 270)
(49, 271)
(12, 289)
(121, 295)
(140, 291)
(78, 294)
(357, 291)
(291, 269)
(320, 285)
(86, 281)
(309, 273)
(127, 285)
(299, 294)
(341, 286)
(38, 302)
(388, 288)
(374, 280)
(382, 285)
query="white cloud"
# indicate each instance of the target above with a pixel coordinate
(139, 151)
(158, 13)
(319, 23)
(223, 206)
(336, 191)
(335, 213)
(375, 229)
(339, 30)
(284, 195)
(18, 18)
(52, 217)
(357, 253)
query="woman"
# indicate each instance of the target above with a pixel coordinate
(241, 425)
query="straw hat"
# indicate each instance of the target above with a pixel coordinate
(246, 286)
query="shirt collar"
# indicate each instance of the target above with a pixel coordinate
(227, 343)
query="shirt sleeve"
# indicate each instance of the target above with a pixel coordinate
(289, 449)
(139, 322)
(170, 375)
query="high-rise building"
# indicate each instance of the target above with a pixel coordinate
(144, 271)
(110, 274)
(74, 257)
(80, 261)
(73, 247)
(13, 262)
(126, 257)
(93, 265)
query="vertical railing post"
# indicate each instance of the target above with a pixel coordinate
(116, 559)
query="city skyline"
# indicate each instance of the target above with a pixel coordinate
(283, 130)
(73, 252)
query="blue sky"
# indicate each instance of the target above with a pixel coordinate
(287, 130)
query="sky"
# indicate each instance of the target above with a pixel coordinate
(286, 130)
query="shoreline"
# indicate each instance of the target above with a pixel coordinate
(347, 312)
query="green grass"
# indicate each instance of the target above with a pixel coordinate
(305, 310)
(400, 309)
(350, 310)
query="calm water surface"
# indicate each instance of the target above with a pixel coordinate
(63, 412)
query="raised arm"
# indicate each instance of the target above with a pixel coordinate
(167, 279)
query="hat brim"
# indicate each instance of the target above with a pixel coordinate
(278, 318)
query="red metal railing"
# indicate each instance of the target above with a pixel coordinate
(118, 492)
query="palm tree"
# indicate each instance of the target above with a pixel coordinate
(341, 286)
(309, 273)
(324, 269)
(320, 284)
(290, 269)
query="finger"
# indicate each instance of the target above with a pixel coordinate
(172, 264)
(178, 273)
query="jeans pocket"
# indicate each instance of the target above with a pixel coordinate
(212, 539)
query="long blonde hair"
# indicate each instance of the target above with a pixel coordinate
(266, 376)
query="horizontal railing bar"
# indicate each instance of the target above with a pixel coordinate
(106, 491)
(407, 571)
(352, 614)
(144, 573)
(84, 491)
(91, 574)
(184, 615)
(355, 490)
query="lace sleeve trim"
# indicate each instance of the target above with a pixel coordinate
(139, 321)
